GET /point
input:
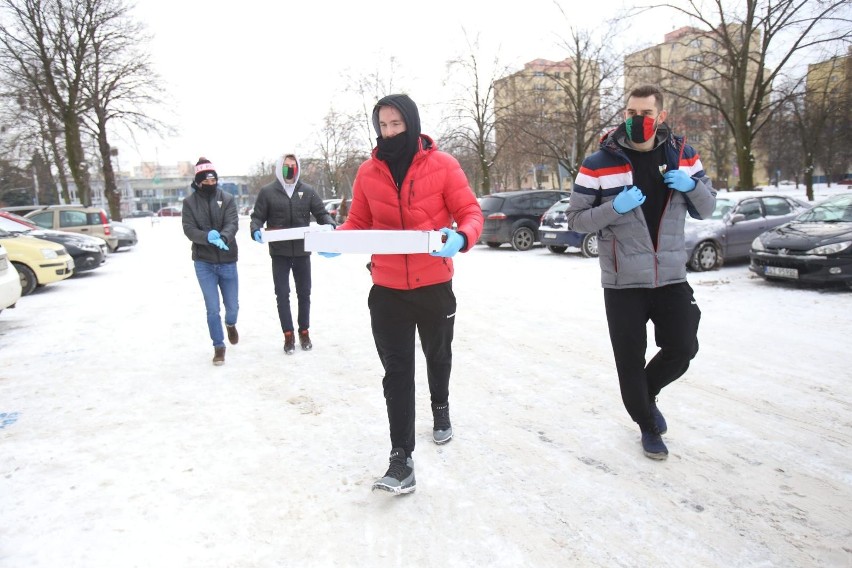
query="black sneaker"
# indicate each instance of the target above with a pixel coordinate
(233, 336)
(399, 478)
(442, 431)
(659, 421)
(289, 343)
(305, 340)
(653, 445)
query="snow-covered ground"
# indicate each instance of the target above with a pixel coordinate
(122, 445)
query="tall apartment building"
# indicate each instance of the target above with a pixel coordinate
(532, 100)
(829, 82)
(676, 65)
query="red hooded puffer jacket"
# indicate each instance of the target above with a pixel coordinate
(434, 193)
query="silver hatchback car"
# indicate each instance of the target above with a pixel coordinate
(738, 218)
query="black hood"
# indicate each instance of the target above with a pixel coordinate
(406, 108)
(805, 236)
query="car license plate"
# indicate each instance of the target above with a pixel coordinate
(550, 235)
(781, 272)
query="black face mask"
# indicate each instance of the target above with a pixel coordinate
(207, 190)
(391, 149)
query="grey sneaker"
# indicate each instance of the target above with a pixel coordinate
(442, 431)
(399, 478)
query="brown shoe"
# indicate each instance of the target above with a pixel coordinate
(219, 355)
(289, 343)
(233, 336)
(305, 340)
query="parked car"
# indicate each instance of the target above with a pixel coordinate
(88, 252)
(738, 218)
(90, 221)
(10, 282)
(554, 233)
(37, 261)
(332, 205)
(124, 233)
(141, 213)
(168, 212)
(816, 247)
(514, 216)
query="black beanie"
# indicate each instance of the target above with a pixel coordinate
(204, 170)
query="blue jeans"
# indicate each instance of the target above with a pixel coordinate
(211, 278)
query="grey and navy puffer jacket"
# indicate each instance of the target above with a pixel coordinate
(201, 214)
(277, 210)
(626, 252)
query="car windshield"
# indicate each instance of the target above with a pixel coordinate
(834, 210)
(558, 207)
(17, 219)
(722, 207)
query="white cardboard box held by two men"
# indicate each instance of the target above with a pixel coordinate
(320, 238)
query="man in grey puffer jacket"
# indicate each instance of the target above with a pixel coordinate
(635, 192)
(286, 203)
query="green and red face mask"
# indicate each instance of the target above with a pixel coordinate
(288, 172)
(640, 128)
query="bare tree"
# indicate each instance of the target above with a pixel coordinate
(473, 115)
(749, 46)
(119, 83)
(45, 46)
(339, 155)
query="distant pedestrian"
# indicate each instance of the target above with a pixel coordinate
(286, 203)
(408, 184)
(210, 221)
(635, 192)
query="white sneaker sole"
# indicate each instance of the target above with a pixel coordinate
(395, 490)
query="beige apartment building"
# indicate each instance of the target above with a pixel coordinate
(531, 107)
(832, 80)
(676, 65)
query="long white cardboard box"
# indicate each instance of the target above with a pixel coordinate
(271, 235)
(375, 242)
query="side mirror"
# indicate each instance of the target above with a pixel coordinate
(736, 218)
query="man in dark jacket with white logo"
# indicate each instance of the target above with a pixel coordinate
(635, 192)
(286, 203)
(210, 221)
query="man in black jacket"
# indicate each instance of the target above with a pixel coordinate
(210, 221)
(286, 203)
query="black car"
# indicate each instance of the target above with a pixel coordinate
(88, 252)
(557, 237)
(816, 247)
(514, 216)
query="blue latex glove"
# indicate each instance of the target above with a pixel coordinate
(679, 180)
(220, 243)
(453, 243)
(329, 254)
(212, 236)
(256, 236)
(628, 200)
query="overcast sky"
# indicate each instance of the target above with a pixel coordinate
(246, 81)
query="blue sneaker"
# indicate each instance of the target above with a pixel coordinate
(653, 445)
(659, 421)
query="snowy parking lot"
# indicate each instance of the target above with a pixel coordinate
(122, 445)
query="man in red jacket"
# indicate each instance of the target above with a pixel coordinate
(408, 184)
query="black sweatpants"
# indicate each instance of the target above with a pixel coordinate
(394, 315)
(675, 315)
(301, 267)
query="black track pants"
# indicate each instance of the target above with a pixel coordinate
(394, 315)
(675, 316)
